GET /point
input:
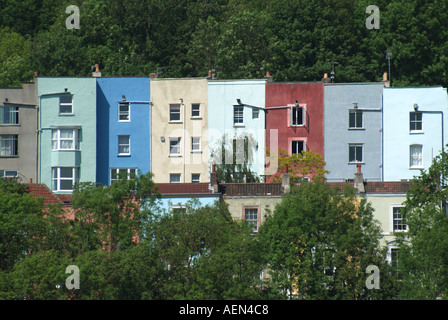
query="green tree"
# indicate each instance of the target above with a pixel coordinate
(233, 157)
(207, 255)
(320, 242)
(422, 250)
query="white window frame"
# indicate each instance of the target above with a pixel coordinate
(9, 145)
(129, 171)
(415, 122)
(121, 145)
(196, 146)
(251, 220)
(178, 146)
(295, 141)
(415, 162)
(404, 227)
(7, 173)
(198, 105)
(66, 104)
(293, 111)
(9, 115)
(238, 115)
(56, 179)
(356, 113)
(198, 180)
(124, 113)
(255, 113)
(182, 209)
(172, 175)
(356, 145)
(57, 140)
(171, 108)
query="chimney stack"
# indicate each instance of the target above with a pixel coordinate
(359, 180)
(385, 80)
(268, 77)
(153, 75)
(285, 183)
(214, 178)
(96, 73)
(325, 79)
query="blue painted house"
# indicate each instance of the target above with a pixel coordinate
(353, 130)
(414, 129)
(124, 127)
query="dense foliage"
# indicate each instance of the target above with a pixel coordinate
(293, 40)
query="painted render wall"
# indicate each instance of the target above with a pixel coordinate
(398, 103)
(339, 99)
(311, 96)
(84, 117)
(25, 97)
(170, 91)
(110, 92)
(222, 96)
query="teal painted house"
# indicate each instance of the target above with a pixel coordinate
(67, 122)
(236, 109)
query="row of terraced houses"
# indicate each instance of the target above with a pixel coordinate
(57, 131)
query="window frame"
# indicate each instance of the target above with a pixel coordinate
(120, 145)
(13, 146)
(65, 104)
(173, 175)
(59, 140)
(414, 122)
(296, 141)
(412, 158)
(58, 179)
(356, 145)
(120, 113)
(117, 173)
(238, 115)
(196, 180)
(198, 105)
(8, 176)
(179, 146)
(255, 113)
(291, 117)
(401, 227)
(357, 113)
(171, 113)
(198, 144)
(252, 221)
(11, 112)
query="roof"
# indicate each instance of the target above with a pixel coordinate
(41, 190)
(184, 188)
(392, 187)
(250, 189)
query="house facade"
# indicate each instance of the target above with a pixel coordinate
(414, 130)
(295, 117)
(67, 127)
(179, 137)
(237, 112)
(353, 132)
(123, 127)
(18, 132)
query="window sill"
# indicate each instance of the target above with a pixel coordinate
(416, 168)
(124, 155)
(416, 132)
(296, 125)
(239, 125)
(124, 120)
(12, 156)
(175, 155)
(9, 124)
(70, 150)
(196, 151)
(355, 163)
(175, 122)
(356, 129)
(66, 114)
(196, 118)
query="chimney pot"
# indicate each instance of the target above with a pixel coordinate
(153, 75)
(97, 72)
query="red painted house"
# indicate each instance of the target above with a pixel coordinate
(296, 110)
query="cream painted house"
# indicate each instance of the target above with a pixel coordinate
(179, 137)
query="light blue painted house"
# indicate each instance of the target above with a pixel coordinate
(415, 122)
(124, 127)
(236, 109)
(67, 123)
(353, 130)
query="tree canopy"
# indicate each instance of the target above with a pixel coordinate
(293, 40)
